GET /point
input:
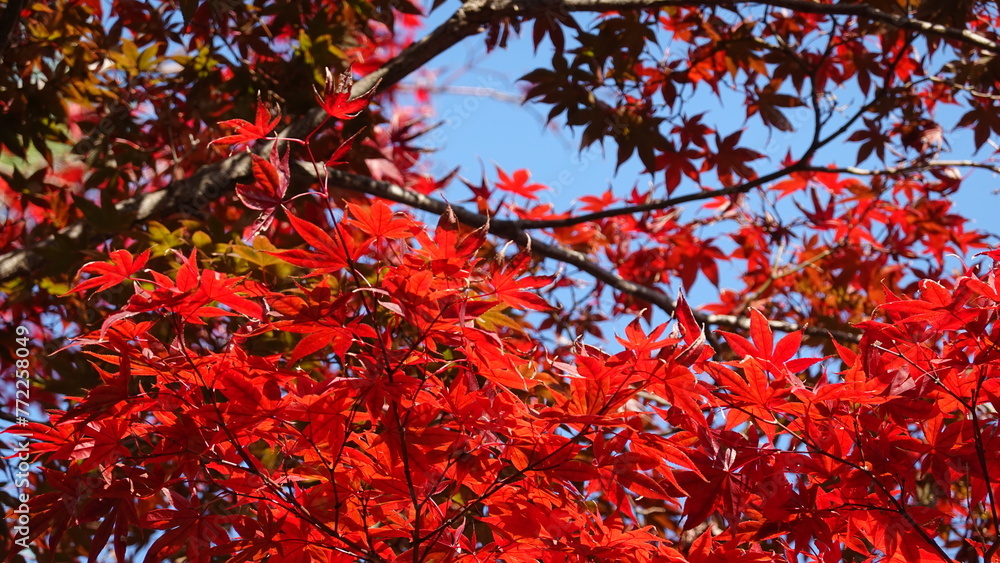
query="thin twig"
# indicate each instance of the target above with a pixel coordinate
(918, 167)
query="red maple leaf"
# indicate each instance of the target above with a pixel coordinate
(121, 268)
(336, 96)
(270, 183)
(732, 159)
(518, 184)
(378, 221)
(329, 254)
(247, 132)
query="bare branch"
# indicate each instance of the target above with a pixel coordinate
(657, 204)
(918, 167)
(743, 188)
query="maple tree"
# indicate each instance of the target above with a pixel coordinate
(262, 330)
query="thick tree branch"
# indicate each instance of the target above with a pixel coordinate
(186, 196)
(512, 230)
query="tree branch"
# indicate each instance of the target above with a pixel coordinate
(667, 203)
(187, 196)
(892, 170)
(657, 204)
(512, 230)
(860, 10)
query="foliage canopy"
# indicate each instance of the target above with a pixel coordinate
(261, 332)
